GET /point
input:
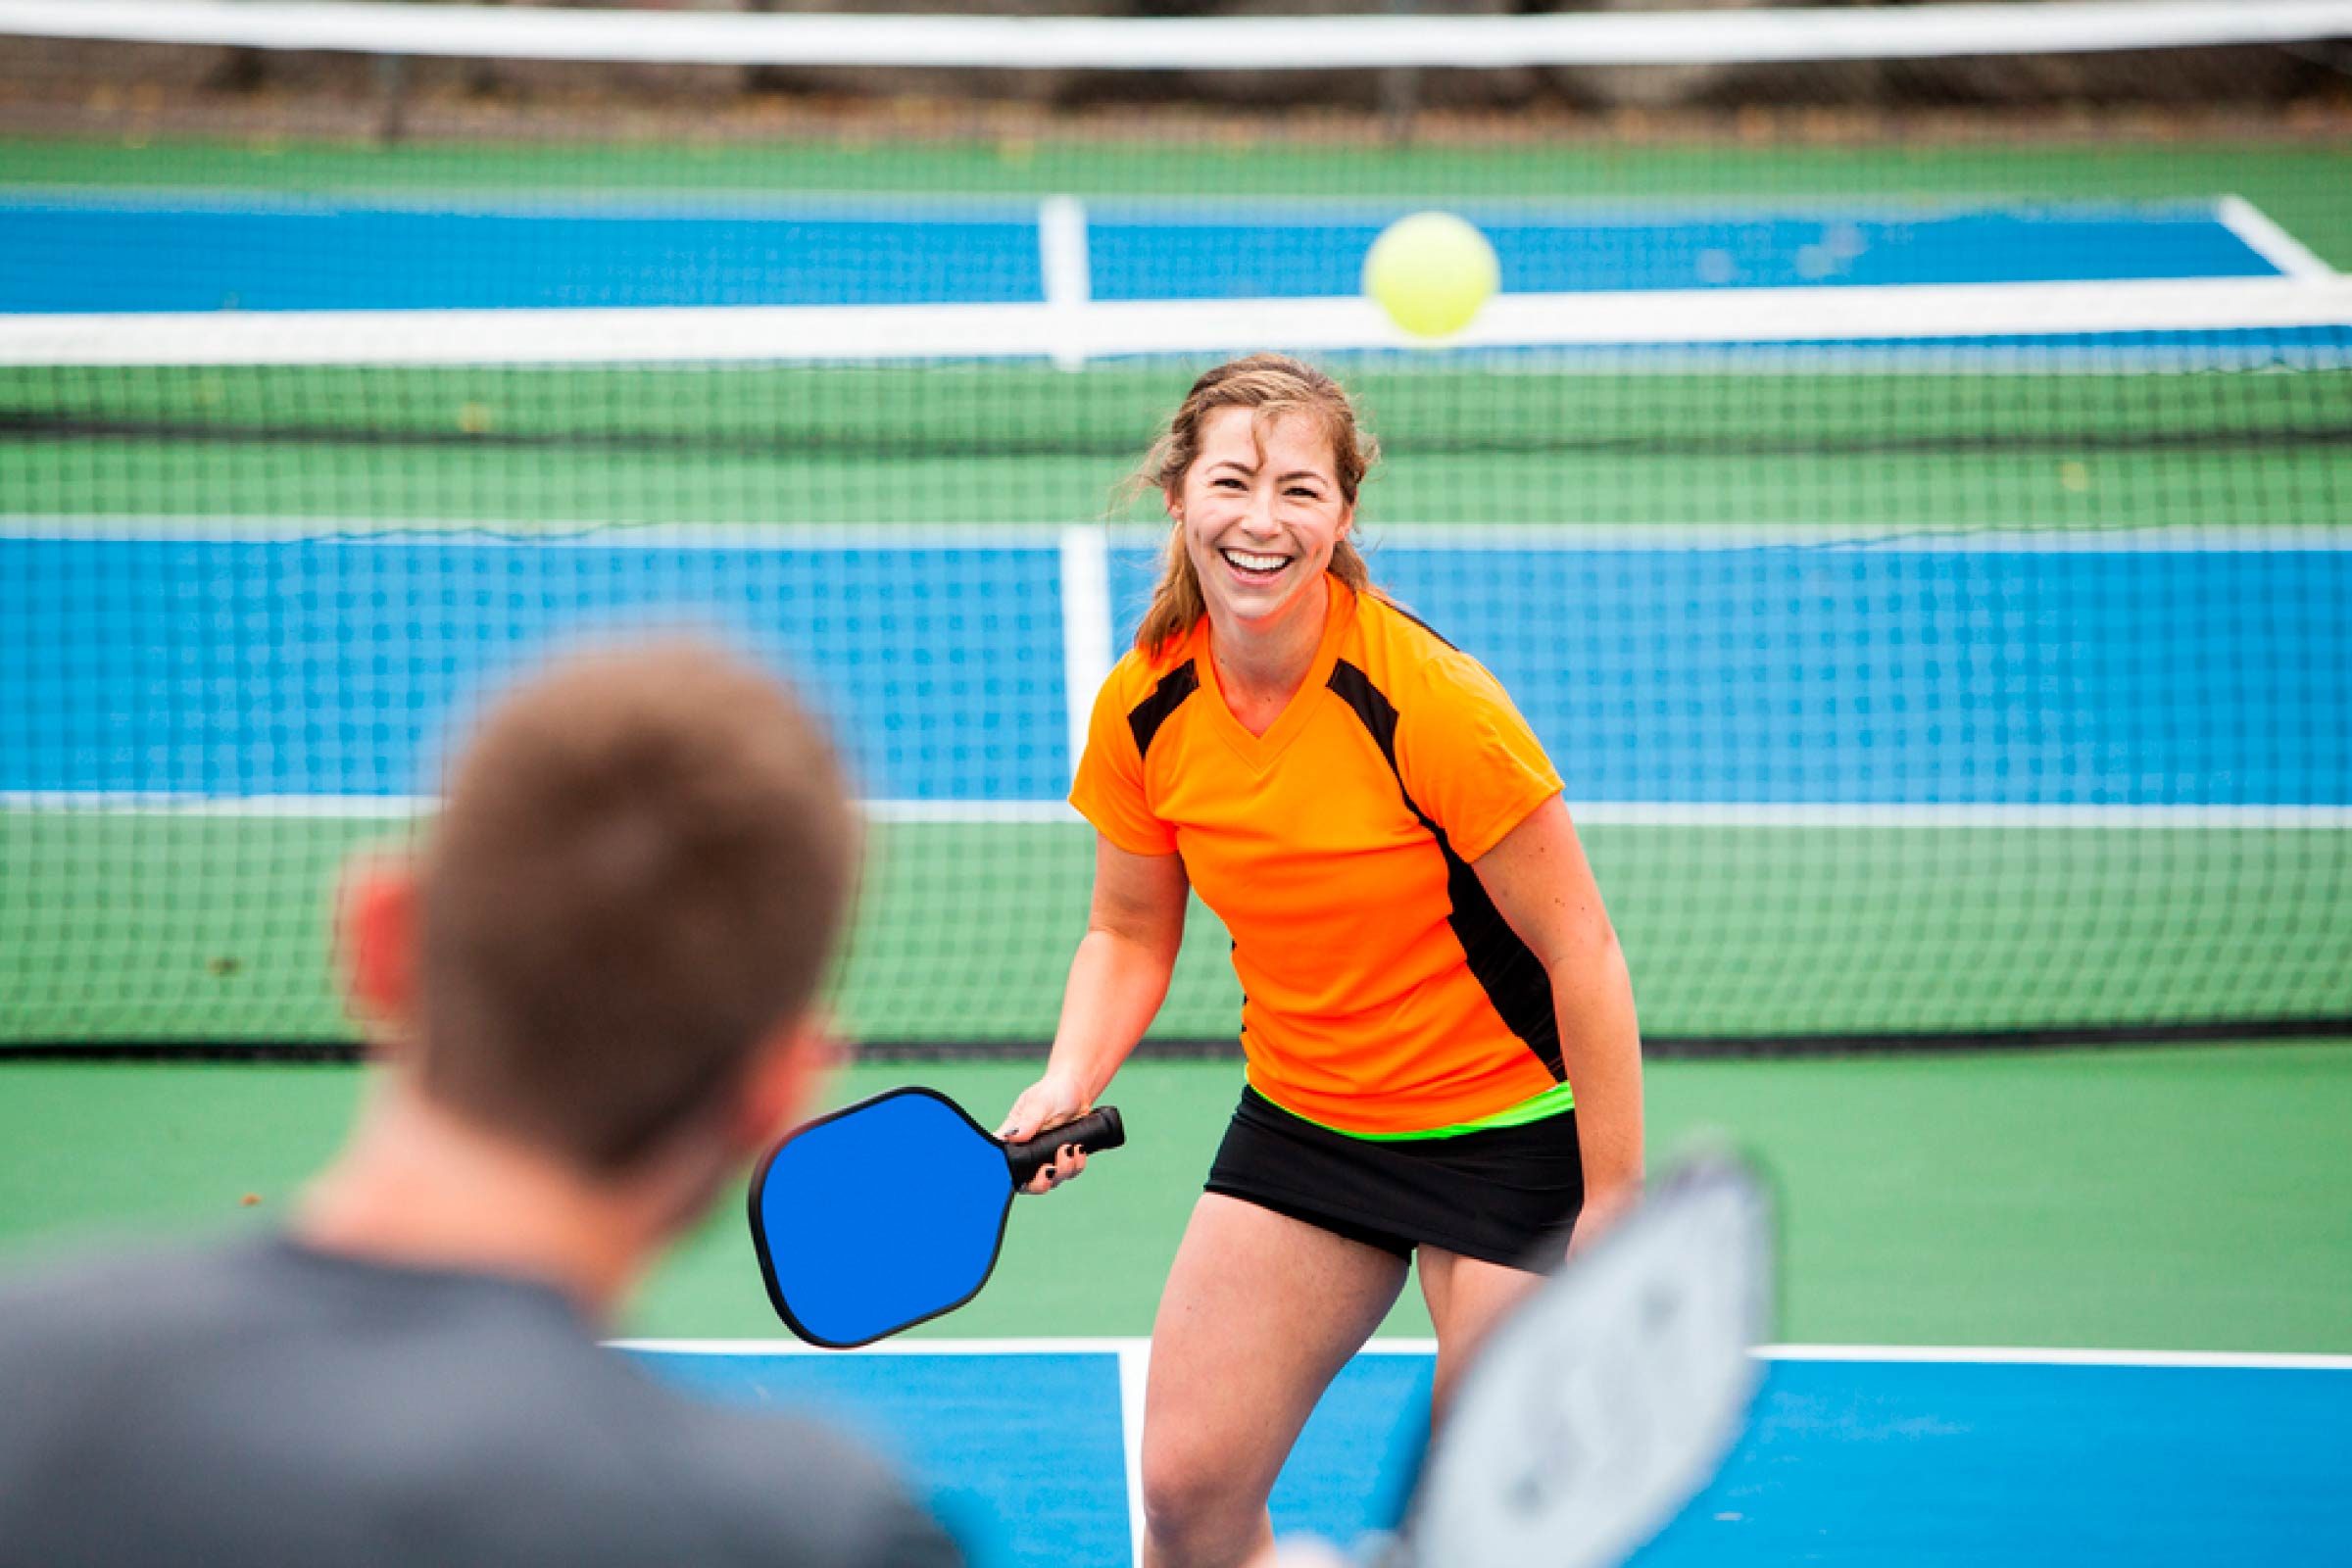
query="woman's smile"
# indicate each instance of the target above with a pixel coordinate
(1255, 567)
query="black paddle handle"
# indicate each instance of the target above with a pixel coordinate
(1098, 1129)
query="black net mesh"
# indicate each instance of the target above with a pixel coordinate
(1905, 496)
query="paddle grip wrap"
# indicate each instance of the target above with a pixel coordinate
(1098, 1129)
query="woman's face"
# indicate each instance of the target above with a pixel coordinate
(1261, 510)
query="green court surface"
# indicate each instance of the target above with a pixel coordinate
(2184, 1199)
(1003, 443)
(215, 928)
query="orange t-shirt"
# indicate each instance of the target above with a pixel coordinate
(1382, 990)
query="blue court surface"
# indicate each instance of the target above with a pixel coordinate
(1906, 1457)
(2071, 670)
(97, 251)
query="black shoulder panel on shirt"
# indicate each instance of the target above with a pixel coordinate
(1372, 706)
(1505, 967)
(1145, 716)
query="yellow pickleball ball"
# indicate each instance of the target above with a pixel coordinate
(1430, 272)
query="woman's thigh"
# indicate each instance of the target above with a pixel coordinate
(1260, 1312)
(1467, 1296)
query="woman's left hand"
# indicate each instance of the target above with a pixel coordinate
(1603, 1207)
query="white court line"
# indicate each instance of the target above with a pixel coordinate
(960, 813)
(2268, 240)
(1224, 210)
(1623, 211)
(1138, 1348)
(688, 204)
(133, 803)
(2012, 1355)
(1133, 1355)
(1846, 317)
(1086, 626)
(401, 807)
(1135, 1366)
(1068, 276)
(1925, 538)
(1930, 538)
(395, 533)
(1587, 814)
(1076, 1345)
(1768, 814)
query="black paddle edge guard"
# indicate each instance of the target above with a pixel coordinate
(756, 1197)
(1655, 1047)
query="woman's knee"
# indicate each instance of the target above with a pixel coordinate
(1195, 1486)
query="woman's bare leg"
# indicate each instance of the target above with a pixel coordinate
(1260, 1312)
(1467, 1296)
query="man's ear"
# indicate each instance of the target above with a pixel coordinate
(781, 1087)
(375, 944)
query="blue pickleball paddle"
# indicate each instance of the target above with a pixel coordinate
(891, 1211)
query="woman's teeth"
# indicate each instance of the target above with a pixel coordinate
(1243, 561)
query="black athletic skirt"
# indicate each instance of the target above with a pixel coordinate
(1506, 1195)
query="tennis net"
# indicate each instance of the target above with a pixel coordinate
(1904, 489)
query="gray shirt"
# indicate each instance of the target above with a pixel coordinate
(264, 1403)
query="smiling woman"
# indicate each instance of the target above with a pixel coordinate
(1267, 412)
(1443, 1054)
(1261, 470)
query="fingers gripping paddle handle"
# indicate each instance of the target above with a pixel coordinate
(1096, 1129)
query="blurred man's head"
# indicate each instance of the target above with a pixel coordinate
(621, 916)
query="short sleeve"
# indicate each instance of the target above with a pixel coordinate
(1109, 790)
(1467, 757)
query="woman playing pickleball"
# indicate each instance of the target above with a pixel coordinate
(1441, 1047)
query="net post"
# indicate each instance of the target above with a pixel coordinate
(392, 85)
(1400, 89)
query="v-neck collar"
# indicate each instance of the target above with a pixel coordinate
(1260, 751)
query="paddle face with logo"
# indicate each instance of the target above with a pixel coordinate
(891, 1211)
(1595, 1411)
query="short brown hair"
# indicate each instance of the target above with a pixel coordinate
(1275, 385)
(636, 879)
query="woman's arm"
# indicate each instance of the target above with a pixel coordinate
(1540, 882)
(1118, 979)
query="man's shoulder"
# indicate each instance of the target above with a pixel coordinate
(81, 1295)
(392, 1390)
(246, 1318)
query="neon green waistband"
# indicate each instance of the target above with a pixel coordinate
(1557, 1100)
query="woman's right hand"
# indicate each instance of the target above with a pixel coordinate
(1042, 1107)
